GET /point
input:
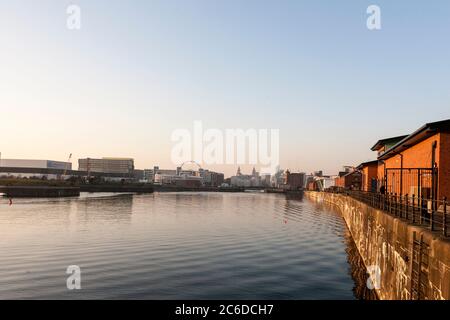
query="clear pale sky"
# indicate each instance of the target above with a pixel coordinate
(137, 70)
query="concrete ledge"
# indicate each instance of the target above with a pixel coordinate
(387, 242)
(39, 191)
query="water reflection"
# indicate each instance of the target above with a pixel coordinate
(294, 196)
(357, 268)
(177, 246)
(107, 208)
(358, 271)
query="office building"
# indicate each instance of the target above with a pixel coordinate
(107, 165)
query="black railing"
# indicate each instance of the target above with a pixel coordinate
(433, 214)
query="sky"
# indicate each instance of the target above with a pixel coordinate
(138, 70)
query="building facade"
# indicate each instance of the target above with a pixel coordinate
(182, 180)
(325, 182)
(418, 164)
(29, 168)
(246, 180)
(294, 181)
(149, 174)
(107, 165)
(349, 180)
(28, 163)
(186, 178)
(211, 178)
(369, 178)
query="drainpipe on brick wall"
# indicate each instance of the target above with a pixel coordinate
(401, 171)
(385, 176)
(433, 172)
(401, 174)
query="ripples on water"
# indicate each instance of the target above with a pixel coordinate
(176, 246)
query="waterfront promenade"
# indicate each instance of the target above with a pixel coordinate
(411, 260)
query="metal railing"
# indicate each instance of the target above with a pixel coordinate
(433, 214)
(411, 180)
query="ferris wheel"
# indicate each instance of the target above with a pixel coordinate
(191, 162)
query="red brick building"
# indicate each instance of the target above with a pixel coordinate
(369, 178)
(349, 180)
(417, 164)
(294, 181)
(381, 147)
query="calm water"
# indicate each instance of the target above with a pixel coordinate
(176, 246)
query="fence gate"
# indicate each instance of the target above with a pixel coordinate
(421, 182)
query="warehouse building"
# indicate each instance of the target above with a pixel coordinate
(417, 164)
(29, 168)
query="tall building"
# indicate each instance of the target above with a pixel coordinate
(265, 180)
(107, 165)
(278, 178)
(211, 178)
(294, 180)
(243, 180)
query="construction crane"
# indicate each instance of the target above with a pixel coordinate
(67, 165)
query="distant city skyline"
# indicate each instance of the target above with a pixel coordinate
(136, 72)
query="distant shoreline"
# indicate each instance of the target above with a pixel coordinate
(18, 188)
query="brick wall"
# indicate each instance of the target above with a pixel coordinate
(369, 172)
(353, 181)
(444, 165)
(339, 182)
(419, 156)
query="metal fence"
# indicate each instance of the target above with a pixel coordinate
(433, 214)
(421, 182)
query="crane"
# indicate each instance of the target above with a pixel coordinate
(67, 164)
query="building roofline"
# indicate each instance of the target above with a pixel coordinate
(350, 173)
(12, 159)
(383, 142)
(367, 163)
(26, 170)
(106, 158)
(417, 136)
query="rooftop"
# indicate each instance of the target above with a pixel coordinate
(417, 136)
(367, 163)
(381, 143)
